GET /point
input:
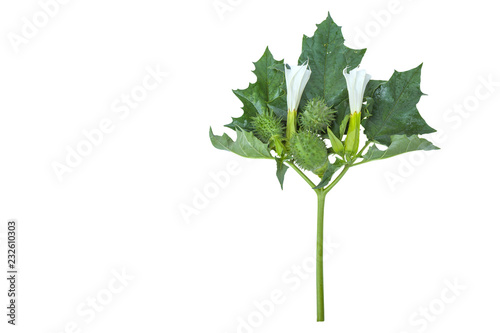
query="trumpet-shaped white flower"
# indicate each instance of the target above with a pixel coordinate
(356, 79)
(296, 80)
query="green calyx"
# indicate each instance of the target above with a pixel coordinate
(267, 126)
(317, 116)
(352, 138)
(309, 152)
(291, 123)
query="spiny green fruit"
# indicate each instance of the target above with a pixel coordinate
(317, 116)
(267, 125)
(309, 151)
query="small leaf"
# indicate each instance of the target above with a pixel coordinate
(399, 144)
(337, 145)
(395, 108)
(343, 125)
(246, 144)
(367, 108)
(278, 146)
(281, 169)
(330, 171)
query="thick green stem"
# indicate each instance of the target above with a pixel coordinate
(320, 295)
(321, 194)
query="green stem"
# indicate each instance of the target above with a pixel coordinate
(361, 153)
(303, 175)
(359, 163)
(321, 194)
(320, 295)
(367, 143)
(339, 177)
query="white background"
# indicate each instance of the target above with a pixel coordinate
(403, 226)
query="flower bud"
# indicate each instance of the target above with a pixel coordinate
(356, 81)
(337, 146)
(296, 79)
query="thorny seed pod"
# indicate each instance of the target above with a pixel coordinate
(309, 152)
(267, 126)
(317, 116)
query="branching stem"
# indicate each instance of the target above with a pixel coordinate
(321, 194)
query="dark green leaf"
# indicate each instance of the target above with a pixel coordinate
(399, 144)
(281, 170)
(395, 108)
(268, 88)
(246, 144)
(279, 106)
(372, 86)
(328, 56)
(341, 117)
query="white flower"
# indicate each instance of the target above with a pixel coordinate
(357, 79)
(296, 80)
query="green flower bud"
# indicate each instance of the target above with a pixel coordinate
(277, 145)
(337, 146)
(309, 151)
(317, 116)
(267, 126)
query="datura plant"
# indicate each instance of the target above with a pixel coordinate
(308, 117)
